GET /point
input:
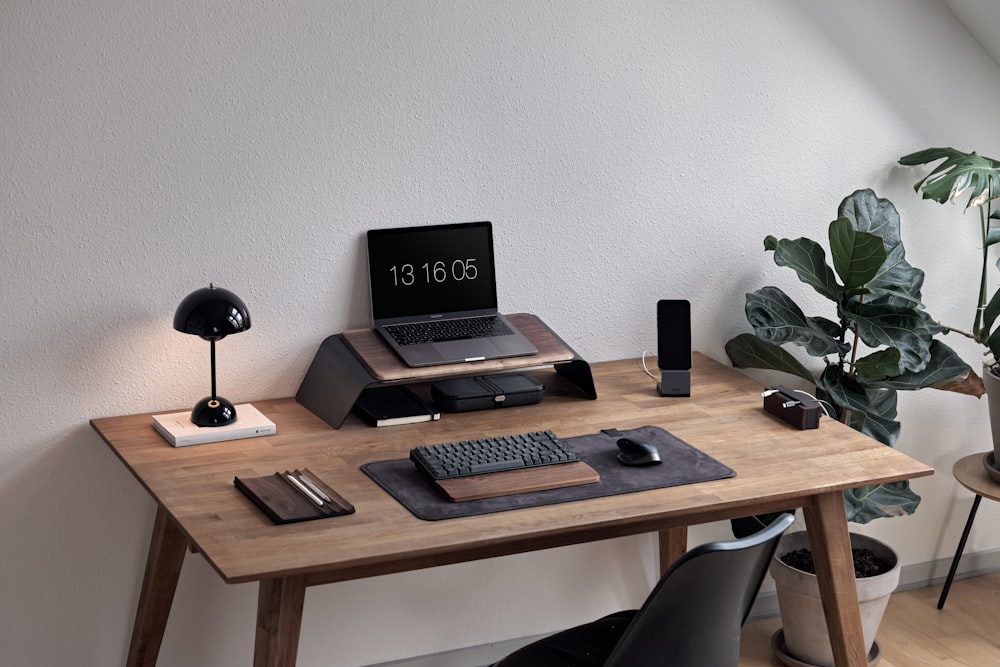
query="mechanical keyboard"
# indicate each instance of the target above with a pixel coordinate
(506, 452)
(437, 331)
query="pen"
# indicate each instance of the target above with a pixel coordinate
(318, 491)
(306, 492)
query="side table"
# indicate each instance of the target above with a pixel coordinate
(971, 474)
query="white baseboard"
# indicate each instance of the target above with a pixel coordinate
(918, 575)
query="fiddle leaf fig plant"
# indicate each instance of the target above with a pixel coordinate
(979, 176)
(878, 338)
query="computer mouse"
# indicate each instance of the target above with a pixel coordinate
(637, 452)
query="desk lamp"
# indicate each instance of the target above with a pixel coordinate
(212, 313)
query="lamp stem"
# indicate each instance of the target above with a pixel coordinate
(212, 347)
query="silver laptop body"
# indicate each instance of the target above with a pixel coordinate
(440, 277)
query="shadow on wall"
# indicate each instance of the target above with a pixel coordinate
(908, 69)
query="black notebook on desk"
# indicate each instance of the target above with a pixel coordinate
(393, 405)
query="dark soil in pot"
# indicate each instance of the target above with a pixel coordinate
(866, 563)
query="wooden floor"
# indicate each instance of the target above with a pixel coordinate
(914, 633)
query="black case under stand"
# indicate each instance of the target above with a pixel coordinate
(486, 392)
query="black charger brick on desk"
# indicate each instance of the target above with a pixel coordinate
(484, 392)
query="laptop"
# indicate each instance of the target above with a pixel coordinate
(441, 278)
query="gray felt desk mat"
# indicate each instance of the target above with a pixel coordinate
(682, 464)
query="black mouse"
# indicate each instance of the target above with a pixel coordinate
(637, 452)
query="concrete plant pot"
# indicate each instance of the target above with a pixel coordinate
(992, 383)
(805, 638)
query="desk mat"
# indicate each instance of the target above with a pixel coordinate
(682, 464)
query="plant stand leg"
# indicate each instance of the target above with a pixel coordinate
(958, 552)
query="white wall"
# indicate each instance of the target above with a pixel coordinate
(626, 152)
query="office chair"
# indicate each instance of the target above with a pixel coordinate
(692, 618)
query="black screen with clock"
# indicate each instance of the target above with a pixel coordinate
(431, 270)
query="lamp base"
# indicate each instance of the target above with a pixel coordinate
(213, 411)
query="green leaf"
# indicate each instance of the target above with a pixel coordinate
(944, 366)
(857, 256)
(872, 412)
(883, 500)
(776, 319)
(993, 342)
(897, 297)
(869, 213)
(748, 351)
(959, 172)
(993, 229)
(878, 365)
(896, 278)
(992, 309)
(902, 328)
(885, 431)
(808, 259)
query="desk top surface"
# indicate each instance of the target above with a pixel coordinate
(777, 467)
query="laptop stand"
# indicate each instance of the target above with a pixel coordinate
(350, 362)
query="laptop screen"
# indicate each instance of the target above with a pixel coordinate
(431, 270)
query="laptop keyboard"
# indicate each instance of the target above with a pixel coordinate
(506, 452)
(437, 331)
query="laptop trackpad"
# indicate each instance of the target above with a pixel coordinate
(467, 349)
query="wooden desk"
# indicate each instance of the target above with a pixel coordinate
(777, 468)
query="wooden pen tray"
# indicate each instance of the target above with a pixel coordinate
(276, 496)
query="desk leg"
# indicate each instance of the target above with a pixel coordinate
(163, 568)
(279, 619)
(826, 521)
(673, 544)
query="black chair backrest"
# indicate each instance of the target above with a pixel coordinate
(694, 615)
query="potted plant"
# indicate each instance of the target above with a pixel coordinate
(803, 634)
(978, 176)
(879, 340)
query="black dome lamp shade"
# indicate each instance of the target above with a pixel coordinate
(212, 313)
